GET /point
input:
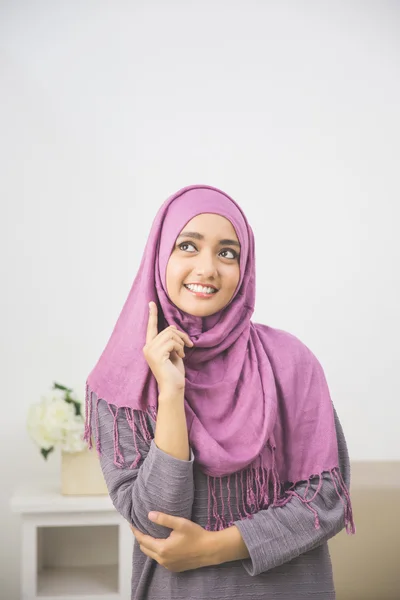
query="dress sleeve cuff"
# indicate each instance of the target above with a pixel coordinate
(255, 538)
(166, 460)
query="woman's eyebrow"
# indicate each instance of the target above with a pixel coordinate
(198, 236)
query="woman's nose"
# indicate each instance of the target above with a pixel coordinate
(205, 266)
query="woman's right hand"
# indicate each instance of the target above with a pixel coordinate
(164, 353)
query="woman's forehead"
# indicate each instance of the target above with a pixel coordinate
(210, 224)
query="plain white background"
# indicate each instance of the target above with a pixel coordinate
(106, 108)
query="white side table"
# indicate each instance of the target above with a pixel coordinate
(73, 547)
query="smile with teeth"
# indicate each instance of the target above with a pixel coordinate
(200, 289)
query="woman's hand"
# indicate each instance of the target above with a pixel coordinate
(189, 546)
(164, 353)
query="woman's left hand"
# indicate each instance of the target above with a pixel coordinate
(188, 546)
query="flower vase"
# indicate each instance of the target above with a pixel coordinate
(81, 474)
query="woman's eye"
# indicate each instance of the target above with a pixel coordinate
(185, 245)
(232, 253)
(227, 253)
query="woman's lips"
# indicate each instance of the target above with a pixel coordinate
(204, 295)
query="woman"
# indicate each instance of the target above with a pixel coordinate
(217, 436)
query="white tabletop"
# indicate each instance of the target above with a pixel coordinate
(45, 497)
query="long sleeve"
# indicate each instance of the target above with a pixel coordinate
(279, 534)
(159, 482)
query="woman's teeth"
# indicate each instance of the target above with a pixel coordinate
(200, 289)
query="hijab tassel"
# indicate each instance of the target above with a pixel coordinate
(131, 422)
(337, 479)
(118, 457)
(231, 521)
(87, 435)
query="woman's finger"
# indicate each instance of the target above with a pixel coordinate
(169, 334)
(163, 345)
(184, 336)
(164, 341)
(149, 553)
(152, 325)
(172, 345)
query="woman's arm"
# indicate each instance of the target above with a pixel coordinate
(171, 429)
(159, 482)
(171, 434)
(279, 534)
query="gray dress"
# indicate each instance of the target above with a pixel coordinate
(289, 557)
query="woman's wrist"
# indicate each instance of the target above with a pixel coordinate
(167, 395)
(171, 434)
(226, 546)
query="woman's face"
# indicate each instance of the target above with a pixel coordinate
(203, 269)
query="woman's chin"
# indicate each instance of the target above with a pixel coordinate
(197, 311)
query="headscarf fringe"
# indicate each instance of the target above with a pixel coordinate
(257, 488)
(87, 435)
(263, 489)
(93, 419)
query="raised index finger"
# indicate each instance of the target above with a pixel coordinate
(152, 325)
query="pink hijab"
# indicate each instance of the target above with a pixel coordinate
(256, 399)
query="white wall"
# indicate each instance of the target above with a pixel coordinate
(108, 107)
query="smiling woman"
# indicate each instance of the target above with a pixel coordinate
(222, 427)
(204, 266)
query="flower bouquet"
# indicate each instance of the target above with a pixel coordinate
(58, 421)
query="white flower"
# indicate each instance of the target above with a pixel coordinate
(73, 435)
(53, 422)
